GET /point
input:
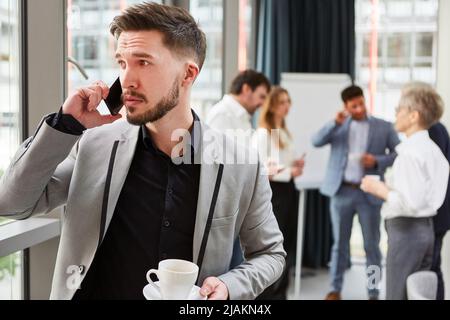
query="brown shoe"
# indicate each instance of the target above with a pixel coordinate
(333, 296)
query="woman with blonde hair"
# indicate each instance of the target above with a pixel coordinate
(415, 189)
(276, 150)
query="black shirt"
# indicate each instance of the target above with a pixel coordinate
(154, 220)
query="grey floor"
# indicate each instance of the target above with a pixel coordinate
(314, 284)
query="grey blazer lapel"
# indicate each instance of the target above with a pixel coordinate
(120, 161)
(210, 164)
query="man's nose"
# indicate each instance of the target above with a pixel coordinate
(129, 79)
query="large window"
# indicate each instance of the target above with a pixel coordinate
(90, 45)
(208, 87)
(10, 133)
(246, 35)
(396, 44)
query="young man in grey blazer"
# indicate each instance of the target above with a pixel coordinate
(359, 145)
(133, 197)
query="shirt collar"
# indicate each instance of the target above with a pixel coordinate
(414, 140)
(366, 120)
(236, 108)
(195, 136)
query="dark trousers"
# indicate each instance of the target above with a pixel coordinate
(285, 199)
(410, 249)
(436, 265)
(237, 258)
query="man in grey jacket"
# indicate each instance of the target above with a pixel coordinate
(359, 145)
(133, 196)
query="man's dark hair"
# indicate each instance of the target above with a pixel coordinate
(181, 32)
(251, 78)
(351, 92)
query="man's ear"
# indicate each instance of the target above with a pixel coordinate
(246, 89)
(191, 73)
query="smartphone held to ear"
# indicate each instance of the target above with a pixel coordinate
(114, 99)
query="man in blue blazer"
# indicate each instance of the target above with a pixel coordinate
(438, 133)
(360, 145)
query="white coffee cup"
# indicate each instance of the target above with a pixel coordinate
(176, 278)
(355, 157)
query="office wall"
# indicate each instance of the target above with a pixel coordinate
(443, 86)
(443, 70)
(46, 60)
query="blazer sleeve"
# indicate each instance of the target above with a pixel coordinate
(38, 178)
(262, 242)
(325, 135)
(386, 160)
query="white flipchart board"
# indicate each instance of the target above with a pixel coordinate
(316, 98)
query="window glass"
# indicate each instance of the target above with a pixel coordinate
(10, 132)
(406, 35)
(89, 42)
(208, 88)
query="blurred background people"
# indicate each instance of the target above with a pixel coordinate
(276, 150)
(234, 112)
(415, 189)
(358, 147)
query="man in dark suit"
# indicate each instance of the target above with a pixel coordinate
(440, 136)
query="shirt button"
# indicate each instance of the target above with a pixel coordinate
(167, 223)
(170, 191)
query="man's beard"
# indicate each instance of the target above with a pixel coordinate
(163, 107)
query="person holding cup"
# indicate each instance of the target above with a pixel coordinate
(414, 190)
(359, 145)
(159, 185)
(176, 279)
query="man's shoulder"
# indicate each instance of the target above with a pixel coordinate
(112, 131)
(380, 122)
(217, 111)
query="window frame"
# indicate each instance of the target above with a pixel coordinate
(7, 237)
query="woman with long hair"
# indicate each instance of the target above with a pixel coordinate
(276, 150)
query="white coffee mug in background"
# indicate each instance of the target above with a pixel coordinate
(176, 278)
(355, 157)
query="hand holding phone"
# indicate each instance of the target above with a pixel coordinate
(114, 100)
(83, 105)
(341, 117)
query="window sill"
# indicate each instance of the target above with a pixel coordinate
(20, 235)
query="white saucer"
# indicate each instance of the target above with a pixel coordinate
(150, 293)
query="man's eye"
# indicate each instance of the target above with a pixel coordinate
(144, 63)
(121, 63)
